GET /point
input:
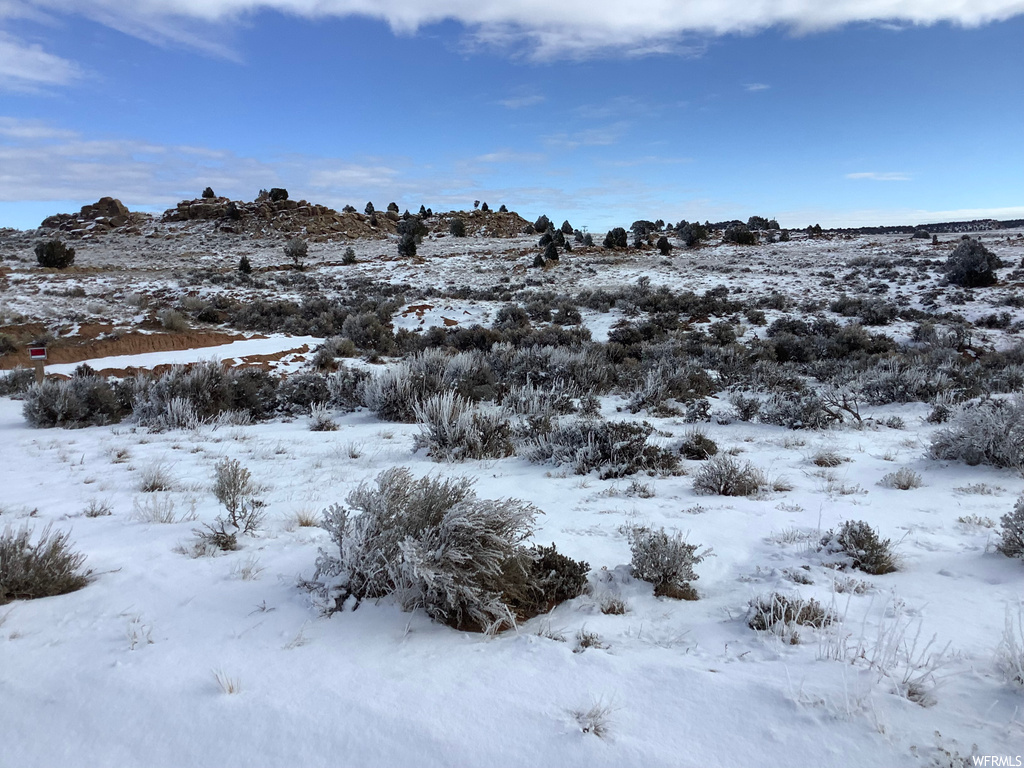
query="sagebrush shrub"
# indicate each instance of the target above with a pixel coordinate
(434, 545)
(697, 446)
(861, 548)
(452, 429)
(725, 476)
(457, 227)
(42, 569)
(1011, 541)
(80, 401)
(613, 448)
(987, 431)
(666, 561)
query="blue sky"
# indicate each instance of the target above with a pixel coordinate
(598, 112)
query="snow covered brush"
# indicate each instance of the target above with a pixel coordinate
(434, 545)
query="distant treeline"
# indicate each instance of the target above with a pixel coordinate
(977, 225)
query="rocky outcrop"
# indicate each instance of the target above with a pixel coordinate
(289, 217)
(105, 215)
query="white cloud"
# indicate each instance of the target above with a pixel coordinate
(522, 100)
(754, 87)
(27, 67)
(566, 29)
(873, 176)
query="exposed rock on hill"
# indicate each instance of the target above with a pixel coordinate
(104, 215)
(296, 217)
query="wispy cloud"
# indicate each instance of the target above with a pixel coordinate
(874, 176)
(521, 100)
(567, 29)
(26, 67)
(754, 87)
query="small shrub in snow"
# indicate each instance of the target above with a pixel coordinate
(42, 569)
(434, 545)
(452, 429)
(984, 432)
(1011, 542)
(860, 547)
(903, 479)
(457, 227)
(234, 488)
(780, 615)
(826, 457)
(697, 446)
(972, 265)
(595, 720)
(613, 448)
(665, 560)
(553, 579)
(725, 476)
(585, 640)
(97, 508)
(156, 477)
(321, 419)
(1010, 653)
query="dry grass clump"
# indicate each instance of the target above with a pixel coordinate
(826, 457)
(42, 569)
(903, 479)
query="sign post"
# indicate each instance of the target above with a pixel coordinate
(38, 356)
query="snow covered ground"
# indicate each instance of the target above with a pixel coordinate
(169, 660)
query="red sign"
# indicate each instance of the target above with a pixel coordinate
(37, 353)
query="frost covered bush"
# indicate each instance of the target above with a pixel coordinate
(800, 410)
(452, 429)
(183, 397)
(368, 333)
(16, 382)
(1011, 542)
(1010, 653)
(393, 393)
(556, 399)
(234, 488)
(81, 401)
(301, 392)
(42, 569)
(434, 545)
(725, 476)
(613, 448)
(780, 615)
(697, 446)
(903, 479)
(666, 561)
(972, 265)
(987, 431)
(860, 547)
